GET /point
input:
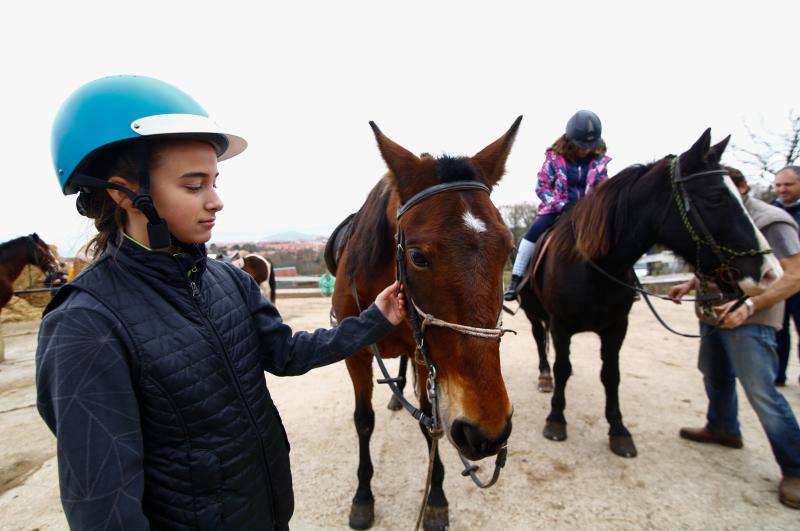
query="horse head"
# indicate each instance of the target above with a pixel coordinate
(452, 250)
(41, 255)
(725, 244)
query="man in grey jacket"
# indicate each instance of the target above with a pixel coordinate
(744, 348)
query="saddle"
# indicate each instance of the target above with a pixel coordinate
(337, 241)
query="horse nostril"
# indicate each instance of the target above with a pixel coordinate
(473, 443)
(769, 277)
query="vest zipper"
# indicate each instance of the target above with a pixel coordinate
(229, 364)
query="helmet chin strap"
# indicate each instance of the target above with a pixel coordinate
(157, 229)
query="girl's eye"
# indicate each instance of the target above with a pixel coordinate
(419, 259)
(194, 188)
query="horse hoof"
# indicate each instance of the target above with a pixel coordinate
(545, 384)
(555, 431)
(436, 519)
(622, 445)
(394, 404)
(362, 515)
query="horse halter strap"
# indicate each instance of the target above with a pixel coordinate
(691, 218)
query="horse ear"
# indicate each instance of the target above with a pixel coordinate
(715, 152)
(492, 159)
(399, 160)
(695, 157)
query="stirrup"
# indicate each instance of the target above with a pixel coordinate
(511, 293)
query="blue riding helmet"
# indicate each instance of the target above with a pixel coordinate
(115, 109)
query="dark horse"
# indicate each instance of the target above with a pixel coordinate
(451, 248)
(686, 204)
(15, 255)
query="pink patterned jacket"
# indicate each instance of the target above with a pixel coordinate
(551, 183)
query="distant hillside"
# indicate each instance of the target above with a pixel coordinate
(293, 236)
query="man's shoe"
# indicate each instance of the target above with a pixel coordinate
(789, 492)
(703, 435)
(511, 292)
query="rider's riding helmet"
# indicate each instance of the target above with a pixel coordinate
(116, 110)
(585, 130)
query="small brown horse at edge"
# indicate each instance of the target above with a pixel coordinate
(452, 250)
(15, 255)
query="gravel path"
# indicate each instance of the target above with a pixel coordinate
(578, 483)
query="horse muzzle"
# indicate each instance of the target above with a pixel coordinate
(473, 443)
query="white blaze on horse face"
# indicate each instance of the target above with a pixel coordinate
(473, 222)
(771, 269)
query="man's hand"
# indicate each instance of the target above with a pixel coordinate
(730, 318)
(677, 292)
(392, 303)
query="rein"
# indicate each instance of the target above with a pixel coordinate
(419, 322)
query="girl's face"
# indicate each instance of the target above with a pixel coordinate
(183, 186)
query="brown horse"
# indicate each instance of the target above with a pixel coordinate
(15, 255)
(258, 267)
(451, 251)
(262, 270)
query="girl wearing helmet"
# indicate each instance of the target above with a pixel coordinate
(573, 166)
(150, 362)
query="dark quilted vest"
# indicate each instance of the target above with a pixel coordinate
(216, 454)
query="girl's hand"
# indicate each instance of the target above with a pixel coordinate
(392, 303)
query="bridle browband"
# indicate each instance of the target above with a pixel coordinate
(419, 321)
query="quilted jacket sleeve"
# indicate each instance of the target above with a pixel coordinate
(85, 395)
(286, 353)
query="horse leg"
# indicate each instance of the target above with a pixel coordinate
(362, 510)
(555, 427)
(394, 403)
(545, 384)
(619, 438)
(437, 513)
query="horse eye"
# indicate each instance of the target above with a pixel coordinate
(418, 258)
(715, 199)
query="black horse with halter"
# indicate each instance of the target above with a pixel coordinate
(702, 237)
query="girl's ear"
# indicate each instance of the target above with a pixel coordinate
(122, 200)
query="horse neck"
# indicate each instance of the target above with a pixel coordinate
(14, 258)
(646, 203)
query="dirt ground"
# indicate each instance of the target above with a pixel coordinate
(575, 484)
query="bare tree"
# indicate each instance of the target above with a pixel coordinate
(518, 217)
(772, 151)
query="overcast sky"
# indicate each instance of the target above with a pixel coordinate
(300, 81)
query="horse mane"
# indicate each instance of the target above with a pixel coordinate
(6, 245)
(595, 224)
(372, 240)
